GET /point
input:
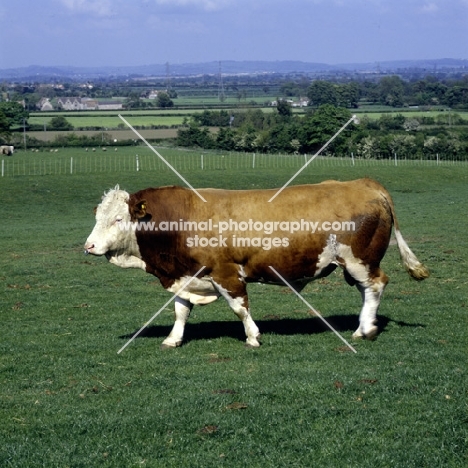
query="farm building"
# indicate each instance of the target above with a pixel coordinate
(89, 104)
(110, 105)
(45, 105)
(69, 103)
(77, 103)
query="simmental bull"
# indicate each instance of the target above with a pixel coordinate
(304, 234)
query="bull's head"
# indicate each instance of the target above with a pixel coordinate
(112, 232)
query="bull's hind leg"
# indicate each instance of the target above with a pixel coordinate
(371, 292)
(182, 309)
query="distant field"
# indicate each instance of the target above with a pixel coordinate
(412, 113)
(112, 121)
(175, 117)
(125, 113)
(153, 134)
(214, 101)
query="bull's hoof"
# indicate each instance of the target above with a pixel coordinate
(166, 346)
(252, 345)
(371, 334)
(357, 335)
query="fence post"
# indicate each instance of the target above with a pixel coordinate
(253, 161)
(437, 158)
(202, 162)
(352, 157)
(3, 167)
(71, 165)
(137, 163)
(395, 158)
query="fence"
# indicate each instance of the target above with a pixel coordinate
(184, 161)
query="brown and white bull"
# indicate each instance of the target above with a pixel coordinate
(237, 235)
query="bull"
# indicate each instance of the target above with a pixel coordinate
(240, 238)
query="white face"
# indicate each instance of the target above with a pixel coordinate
(109, 234)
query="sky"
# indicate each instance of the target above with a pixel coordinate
(142, 32)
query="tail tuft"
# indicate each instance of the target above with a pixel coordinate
(419, 272)
(413, 266)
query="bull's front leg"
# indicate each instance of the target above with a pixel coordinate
(236, 296)
(241, 309)
(182, 309)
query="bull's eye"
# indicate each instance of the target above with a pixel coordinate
(118, 220)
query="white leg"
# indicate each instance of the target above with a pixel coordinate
(182, 310)
(371, 295)
(251, 330)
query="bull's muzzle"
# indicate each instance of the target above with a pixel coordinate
(88, 248)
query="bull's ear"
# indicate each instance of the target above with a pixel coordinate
(138, 210)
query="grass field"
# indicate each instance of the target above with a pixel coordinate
(117, 159)
(374, 115)
(113, 121)
(153, 134)
(110, 119)
(301, 400)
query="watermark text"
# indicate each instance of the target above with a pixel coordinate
(246, 233)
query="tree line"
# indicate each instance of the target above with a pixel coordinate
(388, 91)
(444, 136)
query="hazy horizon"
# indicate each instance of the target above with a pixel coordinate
(95, 33)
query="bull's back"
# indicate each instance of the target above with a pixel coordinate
(319, 202)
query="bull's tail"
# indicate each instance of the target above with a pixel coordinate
(413, 266)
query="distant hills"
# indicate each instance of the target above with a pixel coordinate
(227, 67)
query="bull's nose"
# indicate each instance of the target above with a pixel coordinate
(88, 248)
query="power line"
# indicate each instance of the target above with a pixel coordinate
(221, 95)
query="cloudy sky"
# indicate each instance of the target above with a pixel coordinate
(140, 32)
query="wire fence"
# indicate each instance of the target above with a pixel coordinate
(81, 163)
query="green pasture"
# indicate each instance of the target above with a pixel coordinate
(112, 121)
(106, 136)
(374, 115)
(229, 99)
(140, 158)
(173, 118)
(125, 113)
(301, 400)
